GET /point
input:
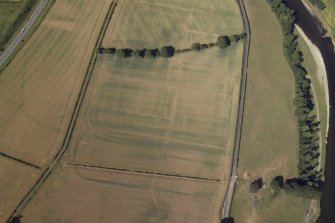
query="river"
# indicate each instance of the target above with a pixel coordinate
(314, 31)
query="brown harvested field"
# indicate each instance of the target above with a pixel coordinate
(39, 88)
(161, 115)
(170, 116)
(15, 181)
(84, 195)
(152, 24)
(164, 115)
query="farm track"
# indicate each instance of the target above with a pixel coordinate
(45, 175)
(229, 194)
(19, 160)
(141, 172)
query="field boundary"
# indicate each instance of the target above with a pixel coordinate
(225, 212)
(142, 172)
(19, 160)
(45, 175)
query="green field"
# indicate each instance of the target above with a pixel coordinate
(329, 13)
(269, 133)
(9, 11)
(13, 14)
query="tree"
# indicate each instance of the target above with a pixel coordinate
(228, 220)
(167, 51)
(223, 42)
(242, 35)
(195, 46)
(256, 185)
(155, 52)
(303, 188)
(111, 50)
(277, 183)
(121, 53)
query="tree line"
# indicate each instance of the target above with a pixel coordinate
(295, 186)
(308, 125)
(169, 51)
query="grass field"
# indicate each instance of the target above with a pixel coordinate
(170, 116)
(9, 11)
(269, 131)
(39, 88)
(329, 13)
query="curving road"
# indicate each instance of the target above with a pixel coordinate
(233, 177)
(23, 31)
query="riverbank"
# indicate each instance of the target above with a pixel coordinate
(311, 27)
(321, 69)
(321, 19)
(314, 63)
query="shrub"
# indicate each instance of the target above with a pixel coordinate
(256, 185)
(223, 42)
(242, 35)
(137, 53)
(195, 46)
(155, 52)
(277, 183)
(111, 50)
(121, 53)
(234, 38)
(167, 51)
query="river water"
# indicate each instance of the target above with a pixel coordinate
(314, 31)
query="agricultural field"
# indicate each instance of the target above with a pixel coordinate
(269, 141)
(175, 115)
(38, 92)
(157, 116)
(39, 88)
(16, 180)
(122, 197)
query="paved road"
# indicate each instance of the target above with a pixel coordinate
(233, 177)
(23, 31)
